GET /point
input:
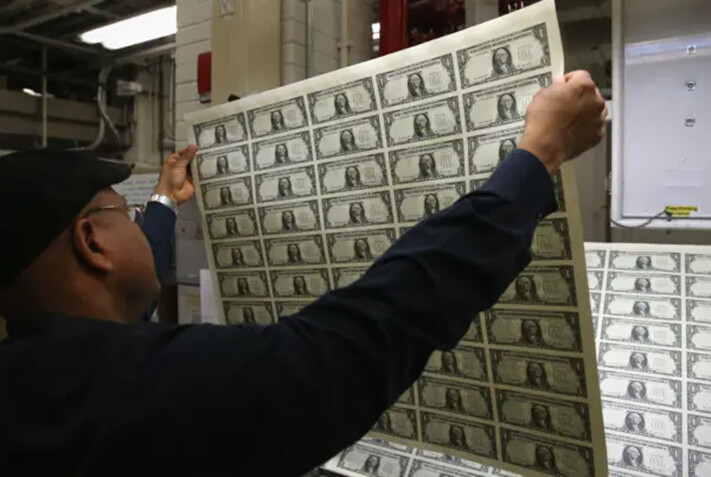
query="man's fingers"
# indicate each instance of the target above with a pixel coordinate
(187, 154)
(558, 80)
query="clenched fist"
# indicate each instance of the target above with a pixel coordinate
(175, 180)
(564, 120)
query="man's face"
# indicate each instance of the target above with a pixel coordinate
(448, 359)
(535, 371)
(415, 82)
(431, 203)
(530, 329)
(347, 137)
(506, 103)
(281, 150)
(133, 275)
(539, 414)
(421, 123)
(636, 388)
(361, 247)
(507, 147)
(220, 134)
(643, 262)
(632, 453)
(525, 285)
(641, 308)
(501, 57)
(634, 419)
(288, 219)
(638, 360)
(544, 456)
(356, 210)
(352, 175)
(427, 165)
(341, 102)
(457, 433)
(283, 184)
(639, 332)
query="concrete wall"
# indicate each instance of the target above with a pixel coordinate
(194, 37)
(324, 54)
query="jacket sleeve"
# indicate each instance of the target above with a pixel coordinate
(159, 228)
(282, 399)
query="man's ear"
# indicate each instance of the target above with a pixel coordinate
(90, 248)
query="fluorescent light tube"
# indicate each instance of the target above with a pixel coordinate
(135, 30)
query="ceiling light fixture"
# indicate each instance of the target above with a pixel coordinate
(375, 28)
(31, 92)
(135, 30)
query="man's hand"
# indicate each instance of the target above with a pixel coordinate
(175, 180)
(564, 120)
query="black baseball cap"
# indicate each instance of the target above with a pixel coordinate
(41, 193)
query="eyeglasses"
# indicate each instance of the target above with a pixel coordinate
(133, 212)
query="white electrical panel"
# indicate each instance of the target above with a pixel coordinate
(662, 113)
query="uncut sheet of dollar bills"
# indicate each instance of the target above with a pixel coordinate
(652, 315)
(302, 187)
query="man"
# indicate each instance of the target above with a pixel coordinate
(507, 107)
(91, 392)
(638, 361)
(502, 62)
(223, 167)
(421, 126)
(428, 168)
(526, 290)
(536, 376)
(637, 390)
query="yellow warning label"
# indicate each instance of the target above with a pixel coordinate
(681, 210)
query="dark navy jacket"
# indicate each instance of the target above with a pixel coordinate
(159, 228)
(90, 398)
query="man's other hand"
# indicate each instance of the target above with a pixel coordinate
(175, 180)
(564, 120)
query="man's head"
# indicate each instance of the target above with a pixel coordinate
(72, 248)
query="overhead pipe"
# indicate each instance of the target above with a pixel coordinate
(104, 118)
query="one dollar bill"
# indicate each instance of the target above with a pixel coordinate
(546, 456)
(509, 55)
(551, 416)
(423, 122)
(417, 81)
(644, 456)
(537, 372)
(543, 286)
(502, 105)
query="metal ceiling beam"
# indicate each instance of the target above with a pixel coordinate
(47, 17)
(103, 13)
(51, 76)
(59, 44)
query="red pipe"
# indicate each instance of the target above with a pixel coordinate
(393, 26)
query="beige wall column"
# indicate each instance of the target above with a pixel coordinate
(246, 47)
